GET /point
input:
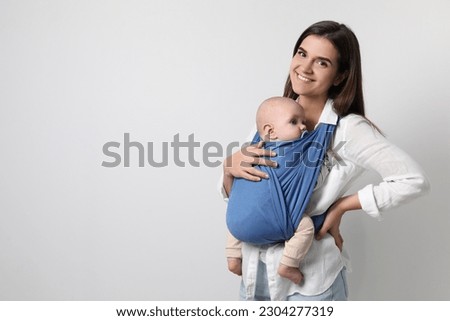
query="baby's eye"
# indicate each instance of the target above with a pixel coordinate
(294, 121)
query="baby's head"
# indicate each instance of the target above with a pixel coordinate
(280, 118)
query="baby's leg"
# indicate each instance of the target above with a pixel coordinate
(234, 255)
(295, 250)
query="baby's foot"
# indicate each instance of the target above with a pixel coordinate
(235, 265)
(290, 273)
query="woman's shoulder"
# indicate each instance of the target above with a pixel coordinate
(353, 126)
(353, 119)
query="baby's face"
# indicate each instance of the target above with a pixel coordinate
(290, 122)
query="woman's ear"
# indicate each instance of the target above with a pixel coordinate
(269, 132)
(340, 78)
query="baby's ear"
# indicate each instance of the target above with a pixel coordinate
(269, 132)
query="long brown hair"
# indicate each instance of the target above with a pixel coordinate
(348, 95)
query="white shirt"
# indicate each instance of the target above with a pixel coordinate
(356, 147)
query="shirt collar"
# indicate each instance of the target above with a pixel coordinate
(328, 115)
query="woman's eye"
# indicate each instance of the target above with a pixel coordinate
(301, 53)
(322, 63)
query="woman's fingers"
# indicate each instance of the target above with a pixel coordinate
(256, 155)
(338, 239)
(331, 227)
(241, 164)
(257, 174)
(264, 162)
(323, 230)
(257, 150)
(251, 177)
(336, 234)
(250, 156)
(326, 227)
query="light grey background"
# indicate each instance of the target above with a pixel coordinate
(77, 74)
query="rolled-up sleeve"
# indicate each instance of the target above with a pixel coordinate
(221, 189)
(402, 178)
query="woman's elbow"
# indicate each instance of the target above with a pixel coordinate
(424, 184)
(421, 185)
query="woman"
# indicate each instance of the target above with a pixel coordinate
(325, 78)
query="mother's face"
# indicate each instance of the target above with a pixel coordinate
(314, 68)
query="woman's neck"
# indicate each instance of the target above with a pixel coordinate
(313, 107)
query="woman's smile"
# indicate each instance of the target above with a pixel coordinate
(303, 78)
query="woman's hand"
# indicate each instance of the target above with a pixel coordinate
(241, 164)
(334, 216)
(331, 225)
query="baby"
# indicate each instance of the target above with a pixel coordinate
(279, 119)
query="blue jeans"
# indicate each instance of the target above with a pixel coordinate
(336, 292)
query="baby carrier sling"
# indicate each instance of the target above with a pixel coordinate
(269, 211)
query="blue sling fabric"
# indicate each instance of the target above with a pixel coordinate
(269, 211)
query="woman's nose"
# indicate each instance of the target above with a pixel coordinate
(307, 66)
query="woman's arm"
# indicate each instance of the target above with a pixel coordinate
(402, 178)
